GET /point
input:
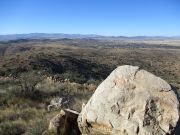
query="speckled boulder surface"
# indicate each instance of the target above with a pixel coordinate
(131, 101)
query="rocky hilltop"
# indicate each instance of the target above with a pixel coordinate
(131, 101)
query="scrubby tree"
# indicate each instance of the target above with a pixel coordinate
(29, 80)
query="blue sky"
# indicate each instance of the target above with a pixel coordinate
(104, 17)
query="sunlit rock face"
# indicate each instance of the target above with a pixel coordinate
(131, 101)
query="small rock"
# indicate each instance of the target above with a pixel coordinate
(65, 123)
(57, 103)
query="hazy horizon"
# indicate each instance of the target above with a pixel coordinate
(91, 34)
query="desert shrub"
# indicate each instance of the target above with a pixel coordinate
(11, 114)
(29, 80)
(31, 113)
(74, 76)
(8, 114)
(45, 63)
(12, 127)
(20, 102)
(77, 104)
(93, 81)
(37, 127)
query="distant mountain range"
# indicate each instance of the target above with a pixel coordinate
(79, 36)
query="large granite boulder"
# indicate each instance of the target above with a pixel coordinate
(131, 101)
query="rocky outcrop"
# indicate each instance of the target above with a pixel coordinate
(131, 101)
(65, 123)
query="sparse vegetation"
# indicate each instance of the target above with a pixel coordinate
(34, 72)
